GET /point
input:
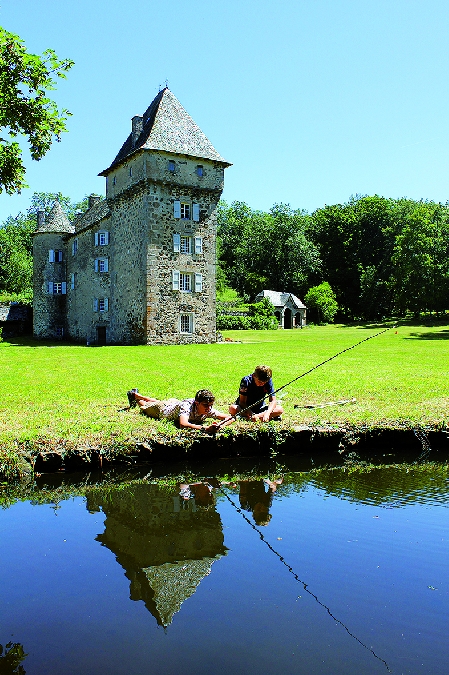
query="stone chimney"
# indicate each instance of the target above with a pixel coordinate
(137, 126)
(40, 218)
(93, 199)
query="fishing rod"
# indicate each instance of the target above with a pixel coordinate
(241, 412)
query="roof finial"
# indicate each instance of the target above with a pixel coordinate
(166, 84)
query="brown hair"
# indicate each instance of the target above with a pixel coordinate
(204, 396)
(263, 373)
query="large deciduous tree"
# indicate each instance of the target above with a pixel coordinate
(261, 250)
(25, 108)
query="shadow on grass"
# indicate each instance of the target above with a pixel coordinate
(31, 342)
(440, 335)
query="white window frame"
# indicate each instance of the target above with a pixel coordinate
(57, 287)
(189, 319)
(102, 238)
(186, 244)
(185, 282)
(102, 265)
(186, 211)
(103, 304)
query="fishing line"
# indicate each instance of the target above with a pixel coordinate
(240, 412)
(303, 583)
(426, 448)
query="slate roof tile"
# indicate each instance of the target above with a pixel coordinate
(167, 126)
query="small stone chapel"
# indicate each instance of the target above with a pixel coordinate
(139, 266)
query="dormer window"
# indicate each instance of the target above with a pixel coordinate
(199, 170)
(171, 166)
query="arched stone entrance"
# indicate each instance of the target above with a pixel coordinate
(287, 318)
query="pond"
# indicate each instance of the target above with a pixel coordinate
(326, 572)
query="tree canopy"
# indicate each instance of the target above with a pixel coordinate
(25, 107)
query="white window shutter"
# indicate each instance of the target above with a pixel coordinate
(64, 287)
(96, 238)
(196, 212)
(72, 281)
(51, 255)
(95, 304)
(176, 243)
(73, 248)
(198, 244)
(198, 282)
(106, 265)
(175, 280)
(50, 287)
(106, 304)
(177, 209)
(96, 264)
(192, 323)
(106, 237)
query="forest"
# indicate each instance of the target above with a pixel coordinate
(369, 258)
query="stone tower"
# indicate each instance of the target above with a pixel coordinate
(50, 273)
(141, 263)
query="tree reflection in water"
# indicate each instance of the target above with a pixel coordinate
(11, 658)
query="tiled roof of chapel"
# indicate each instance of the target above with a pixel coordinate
(168, 127)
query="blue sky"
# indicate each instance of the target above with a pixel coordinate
(311, 100)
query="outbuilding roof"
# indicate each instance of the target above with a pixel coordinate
(166, 126)
(280, 299)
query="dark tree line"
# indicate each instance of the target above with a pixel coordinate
(380, 256)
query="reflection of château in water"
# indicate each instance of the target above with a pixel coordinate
(166, 545)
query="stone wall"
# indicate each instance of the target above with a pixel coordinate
(123, 289)
(49, 310)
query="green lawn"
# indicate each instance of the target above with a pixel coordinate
(59, 391)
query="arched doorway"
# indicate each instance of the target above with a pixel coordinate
(298, 319)
(287, 318)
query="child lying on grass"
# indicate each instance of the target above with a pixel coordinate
(190, 413)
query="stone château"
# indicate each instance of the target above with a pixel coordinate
(139, 266)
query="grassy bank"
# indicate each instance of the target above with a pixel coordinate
(60, 393)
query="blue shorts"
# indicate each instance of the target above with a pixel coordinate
(258, 408)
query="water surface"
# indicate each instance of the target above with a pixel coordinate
(333, 573)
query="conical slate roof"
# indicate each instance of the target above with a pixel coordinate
(167, 126)
(172, 583)
(57, 221)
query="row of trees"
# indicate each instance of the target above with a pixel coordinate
(370, 257)
(379, 256)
